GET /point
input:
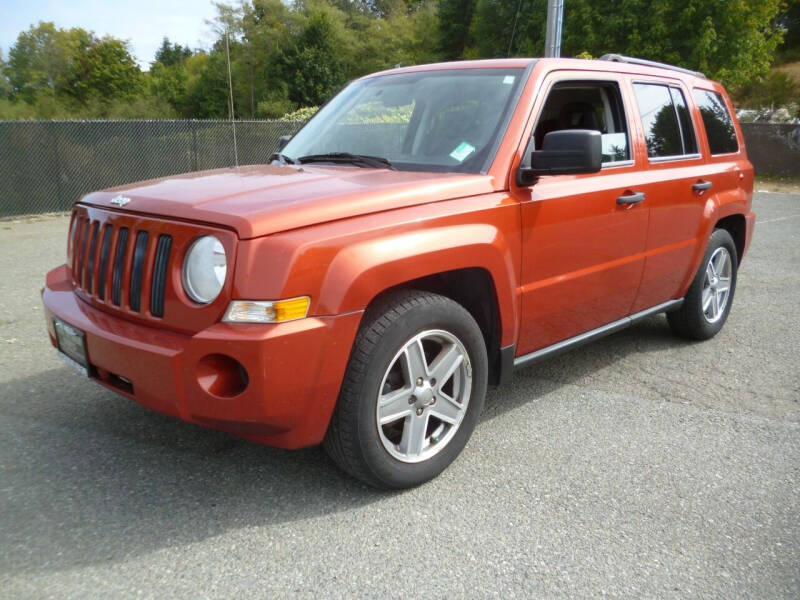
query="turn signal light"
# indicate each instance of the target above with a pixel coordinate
(263, 311)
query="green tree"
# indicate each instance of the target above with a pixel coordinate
(168, 77)
(49, 67)
(284, 55)
(287, 55)
(44, 58)
(422, 23)
(312, 63)
(375, 8)
(207, 87)
(265, 28)
(5, 86)
(373, 44)
(169, 83)
(108, 72)
(733, 41)
(455, 19)
(789, 19)
(169, 54)
(508, 28)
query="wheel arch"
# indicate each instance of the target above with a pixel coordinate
(735, 225)
(475, 290)
(473, 264)
(726, 216)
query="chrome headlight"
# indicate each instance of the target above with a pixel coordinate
(204, 269)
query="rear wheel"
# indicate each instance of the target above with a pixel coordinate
(708, 302)
(413, 391)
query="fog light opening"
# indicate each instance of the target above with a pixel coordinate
(222, 376)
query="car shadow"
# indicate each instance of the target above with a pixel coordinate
(89, 477)
(528, 383)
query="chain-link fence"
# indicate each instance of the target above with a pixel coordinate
(773, 148)
(46, 165)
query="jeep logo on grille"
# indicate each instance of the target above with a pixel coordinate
(120, 201)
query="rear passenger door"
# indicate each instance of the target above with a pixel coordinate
(583, 235)
(675, 184)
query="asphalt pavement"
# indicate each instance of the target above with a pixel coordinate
(638, 466)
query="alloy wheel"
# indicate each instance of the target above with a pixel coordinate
(717, 285)
(424, 396)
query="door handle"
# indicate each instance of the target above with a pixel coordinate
(631, 199)
(702, 186)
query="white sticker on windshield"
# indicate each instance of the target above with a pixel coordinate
(509, 80)
(462, 151)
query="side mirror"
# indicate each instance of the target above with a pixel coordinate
(282, 141)
(564, 152)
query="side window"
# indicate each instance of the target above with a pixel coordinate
(717, 122)
(685, 121)
(587, 105)
(666, 121)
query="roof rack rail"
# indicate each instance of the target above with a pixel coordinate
(649, 63)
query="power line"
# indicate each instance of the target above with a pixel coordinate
(514, 29)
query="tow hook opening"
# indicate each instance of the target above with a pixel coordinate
(222, 376)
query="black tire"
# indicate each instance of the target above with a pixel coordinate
(690, 320)
(352, 439)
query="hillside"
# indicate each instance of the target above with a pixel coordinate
(792, 69)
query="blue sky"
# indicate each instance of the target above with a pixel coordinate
(143, 22)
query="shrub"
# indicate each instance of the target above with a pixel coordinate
(301, 114)
(776, 89)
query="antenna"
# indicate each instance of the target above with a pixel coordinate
(230, 104)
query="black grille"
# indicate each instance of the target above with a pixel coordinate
(114, 264)
(119, 264)
(81, 252)
(138, 266)
(73, 240)
(160, 269)
(104, 250)
(92, 254)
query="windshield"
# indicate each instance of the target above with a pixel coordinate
(445, 121)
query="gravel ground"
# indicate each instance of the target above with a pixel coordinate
(638, 466)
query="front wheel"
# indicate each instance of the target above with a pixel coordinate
(413, 391)
(708, 302)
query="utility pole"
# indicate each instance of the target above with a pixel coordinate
(555, 19)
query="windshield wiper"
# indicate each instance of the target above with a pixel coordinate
(362, 160)
(283, 159)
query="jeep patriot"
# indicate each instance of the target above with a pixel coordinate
(428, 231)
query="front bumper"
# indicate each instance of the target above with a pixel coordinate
(294, 369)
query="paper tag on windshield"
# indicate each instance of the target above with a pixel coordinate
(508, 79)
(462, 151)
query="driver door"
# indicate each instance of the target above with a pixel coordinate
(583, 242)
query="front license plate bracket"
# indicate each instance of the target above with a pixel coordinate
(71, 345)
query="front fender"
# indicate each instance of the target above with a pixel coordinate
(363, 270)
(344, 265)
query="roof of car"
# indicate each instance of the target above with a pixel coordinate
(488, 63)
(610, 63)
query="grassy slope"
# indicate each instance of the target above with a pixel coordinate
(792, 68)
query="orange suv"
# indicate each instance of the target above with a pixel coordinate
(430, 230)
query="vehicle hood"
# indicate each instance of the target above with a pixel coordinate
(263, 199)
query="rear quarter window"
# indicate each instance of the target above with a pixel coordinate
(717, 122)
